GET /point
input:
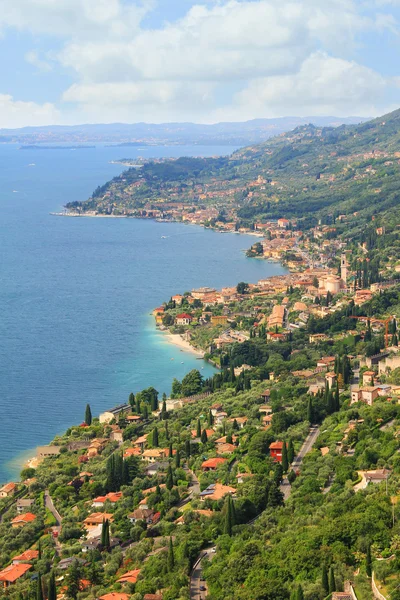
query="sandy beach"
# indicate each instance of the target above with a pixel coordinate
(177, 340)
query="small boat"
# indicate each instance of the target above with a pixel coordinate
(32, 165)
(172, 359)
(164, 237)
(15, 191)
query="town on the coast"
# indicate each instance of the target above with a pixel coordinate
(278, 477)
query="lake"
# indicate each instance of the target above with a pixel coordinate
(76, 293)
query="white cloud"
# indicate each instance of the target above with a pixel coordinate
(33, 58)
(323, 85)
(223, 59)
(16, 113)
(74, 18)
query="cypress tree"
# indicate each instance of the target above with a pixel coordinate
(235, 425)
(39, 589)
(285, 464)
(278, 473)
(324, 580)
(39, 547)
(166, 430)
(204, 437)
(290, 452)
(145, 411)
(131, 401)
(336, 399)
(275, 496)
(154, 440)
(229, 517)
(368, 561)
(229, 439)
(198, 430)
(88, 415)
(177, 459)
(52, 591)
(332, 582)
(164, 411)
(171, 557)
(299, 594)
(170, 479)
(187, 448)
(210, 418)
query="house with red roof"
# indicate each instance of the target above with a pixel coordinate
(275, 451)
(129, 577)
(8, 490)
(12, 573)
(26, 556)
(212, 464)
(21, 520)
(114, 596)
(184, 319)
(111, 497)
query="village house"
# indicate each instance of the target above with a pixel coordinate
(219, 320)
(368, 378)
(209, 432)
(173, 404)
(96, 519)
(265, 395)
(26, 556)
(21, 520)
(216, 491)
(45, 451)
(141, 442)
(275, 451)
(8, 490)
(364, 394)
(241, 421)
(330, 378)
(129, 577)
(212, 464)
(155, 468)
(113, 413)
(225, 448)
(315, 338)
(132, 452)
(184, 319)
(265, 409)
(12, 573)
(144, 514)
(96, 447)
(117, 436)
(154, 454)
(110, 497)
(23, 504)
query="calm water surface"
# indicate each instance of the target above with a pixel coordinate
(76, 293)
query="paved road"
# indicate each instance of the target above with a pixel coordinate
(196, 578)
(285, 487)
(194, 488)
(48, 502)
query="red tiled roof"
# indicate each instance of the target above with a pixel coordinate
(276, 446)
(129, 577)
(27, 555)
(212, 463)
(14, 572)
(25, 518)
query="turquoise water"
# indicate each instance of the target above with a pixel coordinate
(76, 293)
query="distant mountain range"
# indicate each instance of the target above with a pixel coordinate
(239, 134)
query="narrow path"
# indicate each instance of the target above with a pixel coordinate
(56, 529)
(196, 577)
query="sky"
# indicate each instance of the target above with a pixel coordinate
(205, 61)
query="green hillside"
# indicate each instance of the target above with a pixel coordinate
(309, 173)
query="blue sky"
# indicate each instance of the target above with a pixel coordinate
(80, 61)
